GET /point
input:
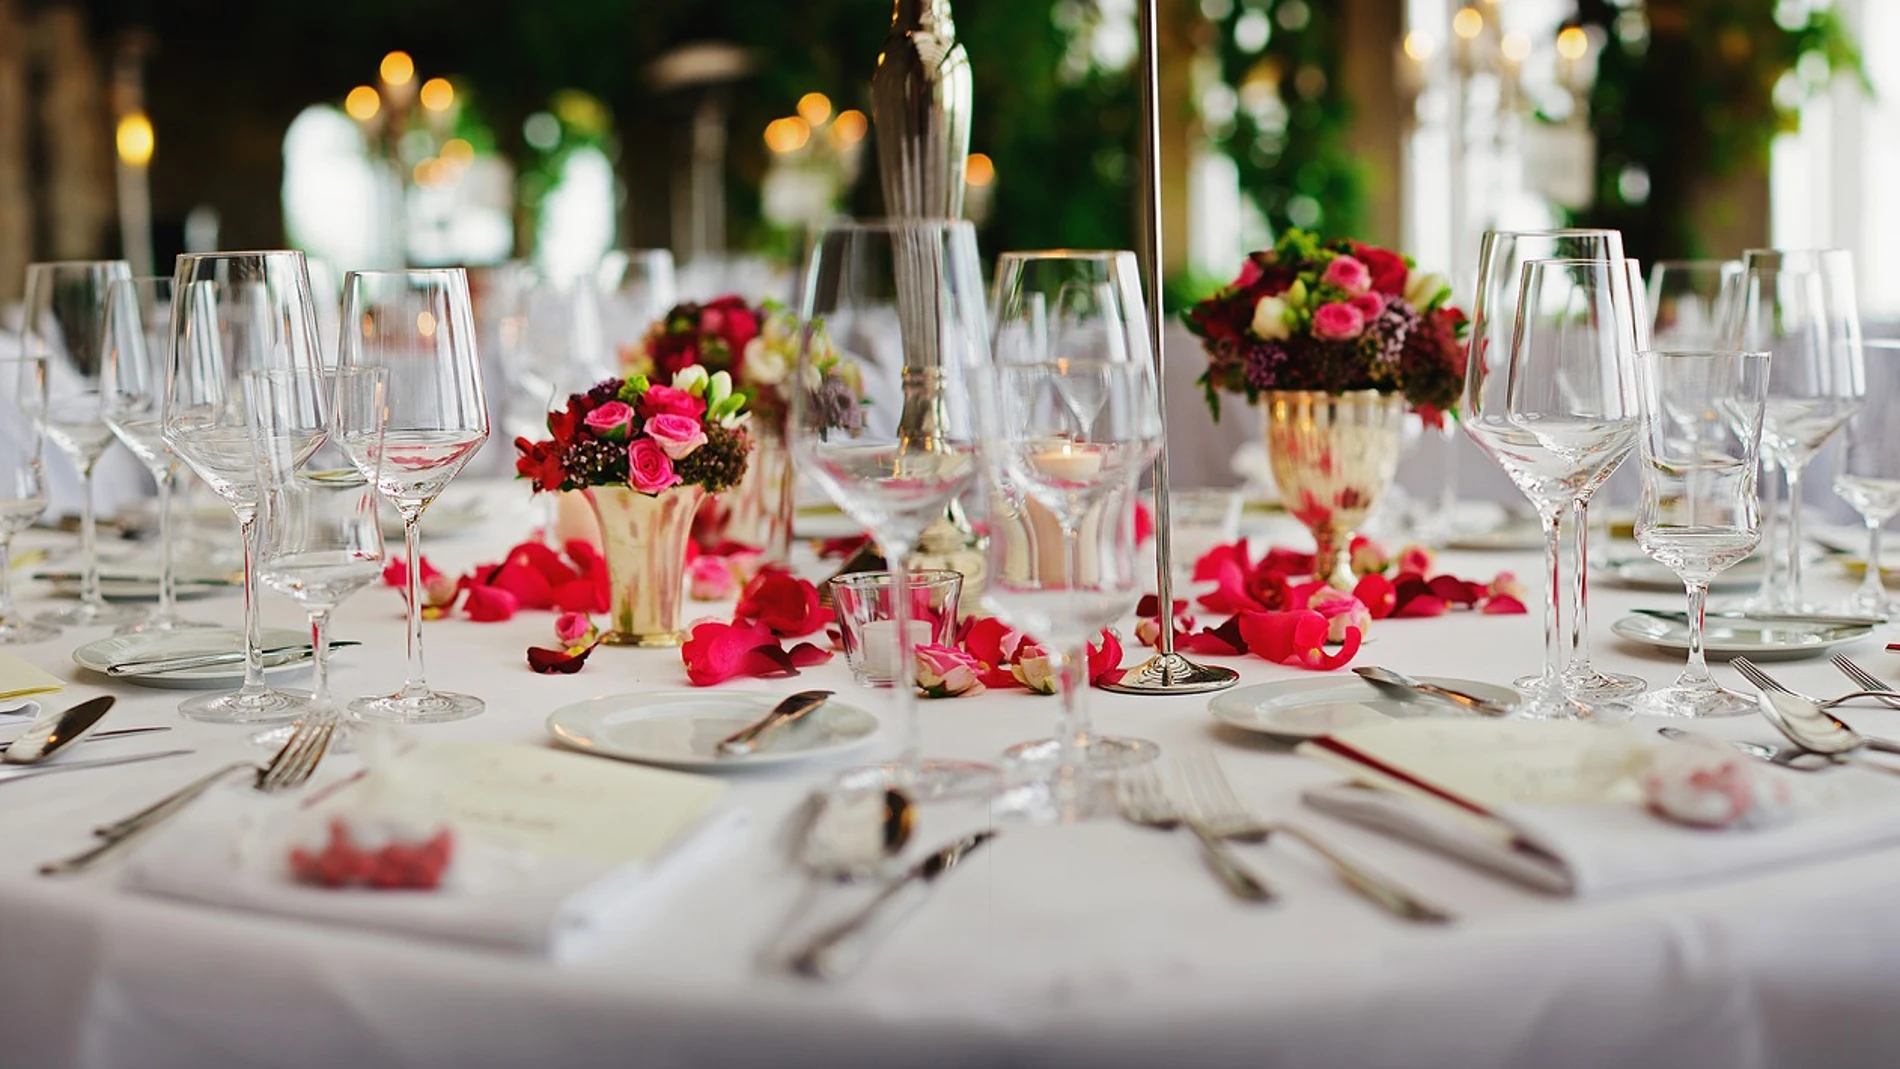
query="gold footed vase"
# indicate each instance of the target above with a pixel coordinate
(758, 511)
(1333, 454)
(643, 538)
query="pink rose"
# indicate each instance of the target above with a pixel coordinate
(649, 469)
(573, 629)
(1341, 611)
(710, 578)
(611, 421)
(947, 672)
(1506, 585)
(1349, 273)
(1035, 669)
(1416, 559)
(1368, 557)
(1369, 305)
(1338, 321)
(668, 401)
(679, 436)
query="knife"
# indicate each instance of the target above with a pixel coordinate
(839, 949)
(1819, 619)
(790, 711)
(113, 577)
(274, 657)
(31, 771)
(101, 736)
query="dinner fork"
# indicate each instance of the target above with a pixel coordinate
(1865, 678)
(291, 766)
(1763, 681)
(1220, 808)
(1143, 801)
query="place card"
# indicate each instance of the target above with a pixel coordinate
(20, 679)
(1482, 765)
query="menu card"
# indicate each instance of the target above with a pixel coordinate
(18, 678)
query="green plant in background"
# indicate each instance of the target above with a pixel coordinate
(1693, 90)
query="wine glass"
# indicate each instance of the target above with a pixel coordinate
(1562, 418)
(411, 430)
(132, 384)
(891, 438)
(22, 480)
(637, 287)
(557, 346)
(1685, 302)
(1062, 564)
(1800, 307)
(1868, 477)
(1700, 513)
(234, 313)
(65, 323)
(1494, 317)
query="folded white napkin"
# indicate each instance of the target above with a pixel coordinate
(19, 708)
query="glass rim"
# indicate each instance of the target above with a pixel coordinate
(925, 577)
(240, 254)
(403, 272)
(38, 265)
(942, 223)
(1674, 354)
(1080, 255)
(1704, 262)
(1576, 261)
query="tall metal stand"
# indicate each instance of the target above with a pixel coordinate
(1167, 672)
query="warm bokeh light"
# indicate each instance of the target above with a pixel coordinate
(458, 151)
(363, 103)
(979, 170)
(1572, 43)
(1468, 23)
(814, 108)
(1419, 47)
(1516, 47)
(425, 324)
(850, 127)
(425, 171)
(788, 134)
(398, 68)
(437, 94)
(135, 139)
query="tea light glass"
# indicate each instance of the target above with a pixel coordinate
(863, 604)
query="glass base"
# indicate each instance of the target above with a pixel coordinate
(1864, 603)
(18, 630)
(91, 614)
(1590, 685)
(1104, 753)
(1703, 701)
(1544, 701)
(156, 624)
(421, 707)
(341, 741)
(926, 780)
(264, 706)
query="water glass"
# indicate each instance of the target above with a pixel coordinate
(866, 622)
(1868, 477)
(1204, 517)
(22, 480)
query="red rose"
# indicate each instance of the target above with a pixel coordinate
(732, 321)
(667, 401)
(1387, 267)
(783, 603)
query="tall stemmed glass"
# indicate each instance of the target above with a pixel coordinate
(1685, 302)
(637, 287)
(559, 346)
(65, 324)
(412, 430)
(1562, 417)
(903, 301)
(1800, 307)
(1494, 309)
(1869, 474)
(234, 313)
(22, 480)
(132, 383)
(1700, 513)
(1063, 445)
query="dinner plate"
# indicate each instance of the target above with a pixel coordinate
(1641, 573)
(137, 580)
(118, 649)
(1294, 710)
(683, 728)
(1756, 639)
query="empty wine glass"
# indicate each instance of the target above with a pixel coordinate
(1800, 307)
(1563, 416)
(1685, 302)
(557, 346)
(234, 313)
(1869, 474)
(132, 382)
(888, 431)
(65, 323)
(1494, 318)
(22, 480)
(637, 287)
(1700, 512)
(411, 430)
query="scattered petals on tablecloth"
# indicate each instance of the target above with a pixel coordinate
(439, 591)
(783, 603)
(716, 651)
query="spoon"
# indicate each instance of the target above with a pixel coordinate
(1810, 727)
(1779, 756)
(847, 838)
(1407, 687)
(51, 733)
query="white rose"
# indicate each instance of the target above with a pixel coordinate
(764, 365)
(1424, 287)
(1269, 319)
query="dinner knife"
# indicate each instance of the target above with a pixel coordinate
(114, 577)
(790, 711)
(841, 948)
(274, 656)
(103, 736)
(1816, 618)
(31, 771)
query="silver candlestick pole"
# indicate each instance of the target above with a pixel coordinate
(1167, 672)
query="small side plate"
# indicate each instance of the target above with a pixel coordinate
(106, 652)
(1725, 637)
(682, 729)
(1295, 710)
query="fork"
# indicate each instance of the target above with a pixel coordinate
(291, 766)
(1222, 810)
(1763, 681)
(1865, 678)
(1143, 801)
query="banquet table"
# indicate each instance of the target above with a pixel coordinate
(1099, 944)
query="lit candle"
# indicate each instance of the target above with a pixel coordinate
(1068, 462)
(877, 648)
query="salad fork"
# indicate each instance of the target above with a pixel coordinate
(1143, 801)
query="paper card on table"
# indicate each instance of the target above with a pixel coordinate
(18, 678)
(1485, 764)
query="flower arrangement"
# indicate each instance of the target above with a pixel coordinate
(756, 345)
(1333, 316)
(633, 432)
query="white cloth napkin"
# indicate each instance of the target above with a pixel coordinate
(1607, 848)
(12, 709)
(230, 851)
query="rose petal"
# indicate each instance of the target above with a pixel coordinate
(1502, 605)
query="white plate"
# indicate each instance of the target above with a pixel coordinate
(681, 728)
(1295, 710)
(1645, 574)
(1754, 639)
(106, 652)
(140, 581)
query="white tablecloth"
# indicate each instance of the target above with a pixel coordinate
(1097, 945)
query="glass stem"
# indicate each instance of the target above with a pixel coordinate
(1793, 587)
(167, 582)
(1769, 594)
(1076, 730)
(320, 659)
(1553, 567)
(253, 631)
(89, 540)
(1696, 672)
(904, 672)
(416, 682)
(1873, 588)
(1577, 665)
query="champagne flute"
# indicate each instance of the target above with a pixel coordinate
(132, 383)
(65, 323)
(234, 313)
(411, 430)
(22, 481)
(1493, 319)
(891, 438)
(1563, 416)
(1869, 474)
(1700, 513)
